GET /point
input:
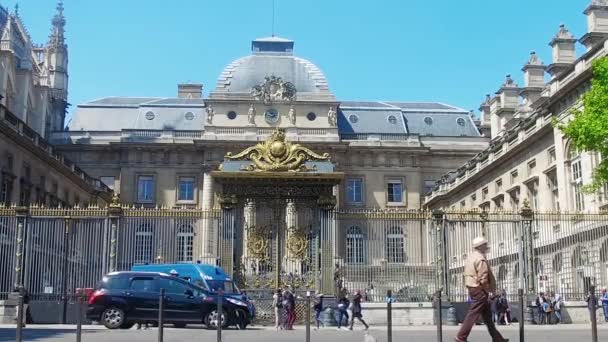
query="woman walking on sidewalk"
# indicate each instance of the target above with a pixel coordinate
(356, 309)
(480, 282)
(277, 304)
(318, 306)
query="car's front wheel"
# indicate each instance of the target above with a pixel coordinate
(113, 318)
(211, 320)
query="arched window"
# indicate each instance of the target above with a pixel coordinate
(144, 244)
(355, 246)
(184, 241)
(395, 246)
(576, 179)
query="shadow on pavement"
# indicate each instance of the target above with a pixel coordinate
(8, 334)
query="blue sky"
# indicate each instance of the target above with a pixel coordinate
(409, 50)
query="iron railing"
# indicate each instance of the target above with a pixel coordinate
(53, 252)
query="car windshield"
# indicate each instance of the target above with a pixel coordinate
(227, 286)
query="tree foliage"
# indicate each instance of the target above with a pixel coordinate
(588, 130)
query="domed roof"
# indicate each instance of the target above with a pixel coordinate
(272, 56)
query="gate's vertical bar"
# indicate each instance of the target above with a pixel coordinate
(64, 268)
(22, 213)
(114, 213)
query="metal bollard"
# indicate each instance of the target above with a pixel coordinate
(307, 316)
(438, 315)
(161, 315)
(19, 331)
(592, 312)
(79, 300)
(389, 315)
(520, 293)
(220, 309)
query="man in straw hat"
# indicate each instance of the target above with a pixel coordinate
(480, 282)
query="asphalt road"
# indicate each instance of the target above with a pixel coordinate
(94, 334)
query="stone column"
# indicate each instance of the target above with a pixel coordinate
(22, 214)
(249, 217)
(114, 214)
(292, 262)
(207, 236)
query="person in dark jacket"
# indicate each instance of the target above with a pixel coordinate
(343, 303)
(318, 307)
(356, 309)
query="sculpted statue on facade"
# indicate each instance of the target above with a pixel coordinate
(210, 114)
(332, 117)
(292, 115)
(274, 89)
(251, 115)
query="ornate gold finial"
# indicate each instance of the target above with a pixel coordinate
(277, 155)
(115, 203)
(227, 201)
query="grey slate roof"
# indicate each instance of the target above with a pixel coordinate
(370, 121)
(118, 113)
(372, 117)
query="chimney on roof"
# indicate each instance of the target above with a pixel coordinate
(597, 23)
(534, 80)
(503, 106)
(189, 90)
(564, 51)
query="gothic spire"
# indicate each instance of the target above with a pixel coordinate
(57, 31)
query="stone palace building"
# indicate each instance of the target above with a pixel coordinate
(529, 160)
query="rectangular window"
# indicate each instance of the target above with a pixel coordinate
(498, 185)
(185, 241)
(395, 246)
(499, 203)
(552, 184)
(473, 199)
(514, 199)
(185, 188)
(429, 185)
(109, 181)
(531, 167)
(463, 204)
(514, 175)
(484, 194)
(576, 172)
(354, 190)
(6, 189)
(395, 191)
(551, 155)
(144, 245)
(533, 195)
(145, 188)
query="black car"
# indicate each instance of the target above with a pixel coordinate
(122, 299)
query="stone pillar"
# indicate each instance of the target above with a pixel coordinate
(441, 251)
(249, 217)
(22, 214)
(329, 240)
(114, 214)
(292, 263)
(527, 216)
(207, 234)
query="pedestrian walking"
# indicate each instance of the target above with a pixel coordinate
(502, 306)
(318, 307)
(277, 304)
(604, 299)
(557, 308)
(480, 283)
(541, 302)
(343, 304)
(291, 313)
(356, 310)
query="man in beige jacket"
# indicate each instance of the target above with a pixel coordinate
(480, 282)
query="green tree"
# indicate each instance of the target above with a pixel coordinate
(588, 130)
